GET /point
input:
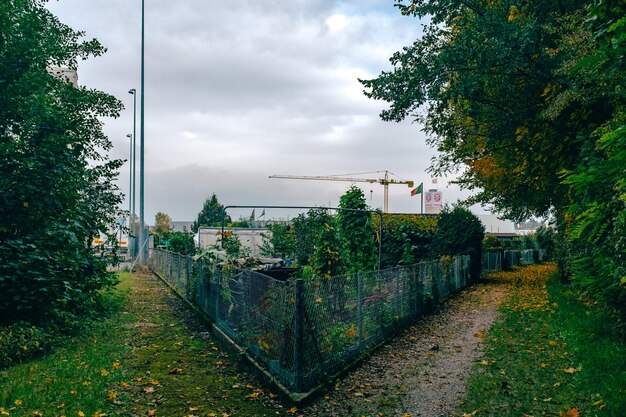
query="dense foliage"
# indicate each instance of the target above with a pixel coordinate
(357, 231)
(56, 182)
(407, 238)
(211, 214)
(527, 100)
(460, 232)
(180, 242)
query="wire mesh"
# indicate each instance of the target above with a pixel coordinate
(303, 331)
(491, 261)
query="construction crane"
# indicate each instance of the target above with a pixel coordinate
(385, 182)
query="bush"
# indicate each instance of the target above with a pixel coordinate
(20, 342)
(460, 232)
(407, 238)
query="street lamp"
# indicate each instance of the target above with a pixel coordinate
(133, 250)
(131, 196)
(143, 250)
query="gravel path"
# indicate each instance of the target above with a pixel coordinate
(421, 372)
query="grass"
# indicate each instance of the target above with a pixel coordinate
(145, 359)
(550, 353)
(79, 378)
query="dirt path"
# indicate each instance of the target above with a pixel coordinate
(422, 372)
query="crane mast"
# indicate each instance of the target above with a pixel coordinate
(385, 182)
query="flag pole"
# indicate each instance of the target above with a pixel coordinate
(422, 198)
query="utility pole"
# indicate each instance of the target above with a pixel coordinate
(143, 249)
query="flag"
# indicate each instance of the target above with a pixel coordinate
(417, 190)
(262, 214)
(252, 215)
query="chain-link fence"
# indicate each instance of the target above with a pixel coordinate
(304, 331)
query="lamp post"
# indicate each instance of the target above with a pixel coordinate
(133, 249)
(142, 231)
(130, 188)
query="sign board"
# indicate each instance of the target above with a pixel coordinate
(432, 199)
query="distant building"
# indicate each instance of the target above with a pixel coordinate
(433, 201)
(251, 239)
(181, 226)
(65, 72)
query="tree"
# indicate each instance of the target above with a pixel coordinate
(181, 242)
(356, 231)
(460, 232)
(57, 188)
(211, 214)
(484, 73)
(162, 224)
(527, 100)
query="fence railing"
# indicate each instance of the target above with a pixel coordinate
(303, 331)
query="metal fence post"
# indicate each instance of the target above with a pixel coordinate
(359, 281)
(218, 289)
(299, 335)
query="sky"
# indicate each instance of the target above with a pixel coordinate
(238, 90)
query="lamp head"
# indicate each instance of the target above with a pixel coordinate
(129, 136)
(132, 91)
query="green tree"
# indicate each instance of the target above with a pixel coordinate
(356, 231)
(57, 188)
(279, 242)
(460, 232)
(181, 242)
(162, 224)
(307, 230)
(329, 262)
(483, 79)
(211, 214)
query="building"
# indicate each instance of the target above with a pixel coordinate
(251, 239)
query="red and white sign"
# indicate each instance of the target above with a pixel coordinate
(433, 199)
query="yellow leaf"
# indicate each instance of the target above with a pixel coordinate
(194, 408)
(17, 403)
(80, 414)
(406, 415)
(484, 362)
(74, 392)
(111, 395)
(552, 343)
(212, 415)
(570, 413)
(3, 412)
(253, 396)
(86, 383)
(123, 384)
(571, 370)
(292, 410)
(273, 395)
(151, 413)
(104, 372)
(115, 365)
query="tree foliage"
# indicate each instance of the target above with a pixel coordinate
(57, 188)
(526, 99)
(356, 231)
(162, 224)
(406, 238)
(211, 214)
(181, 242)
(460, 232)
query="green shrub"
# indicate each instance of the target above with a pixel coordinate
(407, 238)
(20, 342)
(460, 232)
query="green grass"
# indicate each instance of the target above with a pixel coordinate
(82, 376)
(550, 353)
(145, 358)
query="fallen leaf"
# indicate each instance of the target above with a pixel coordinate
(570, 413)
(3, 412)
(484, 362)
(111, 395)
(571, 370)
(155, 382)
(273, 395)
(292, 410)
(116, 365)
(104, 372)
(253, 396)
(17, 403)
(553, 343)
(151, 413)
(80, 414)
(148, 390)
(194, 408)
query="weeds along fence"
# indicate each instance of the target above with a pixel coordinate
(304, 331)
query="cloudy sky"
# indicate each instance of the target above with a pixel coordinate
(238, 90)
